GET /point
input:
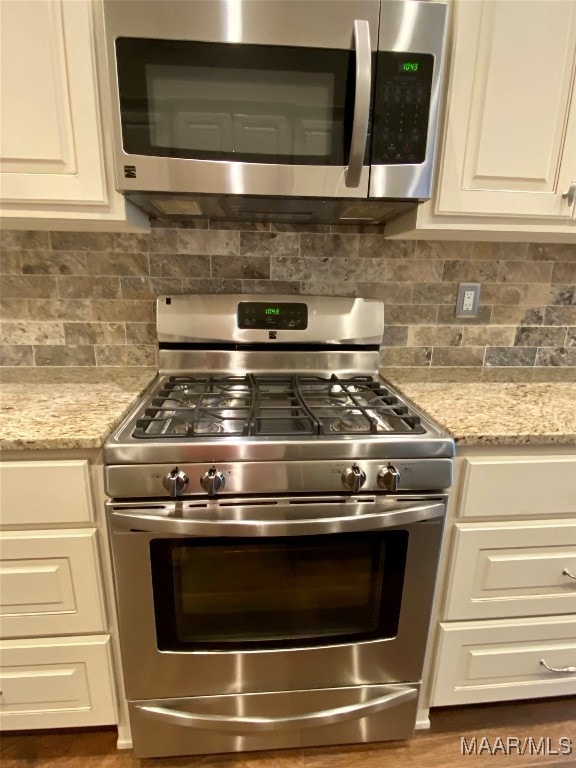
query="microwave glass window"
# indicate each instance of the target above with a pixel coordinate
(274, 593)
(241, 112)
(248, 103)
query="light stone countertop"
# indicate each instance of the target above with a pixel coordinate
(68, 408)
(65, 408)
(499, 414)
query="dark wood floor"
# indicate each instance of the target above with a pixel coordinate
(549, 719)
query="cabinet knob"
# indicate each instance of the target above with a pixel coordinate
(570, 194)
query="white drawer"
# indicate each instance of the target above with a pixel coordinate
(56, 683)
(51, 583)
(45, 492)
(502, 570)
(500, 660)
(510, 487)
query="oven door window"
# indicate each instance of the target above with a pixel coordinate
(223, 594)
(244, 103)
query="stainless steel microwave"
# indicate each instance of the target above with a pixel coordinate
(322, 110)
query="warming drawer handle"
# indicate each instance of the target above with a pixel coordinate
(361, 102)
(308, 720)
(127, 520)
(564, 670)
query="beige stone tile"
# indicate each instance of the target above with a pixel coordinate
(552, 252)
(149, 287)
(455, 373)
(117, 264)
(435, 293)
(411, 314)
(208, 242)
(213, 285)
(564, 272)
(53, 262)
(405, 356)
(28, 286)
(435, 336)
(540, 336)
(470, 271)
(411, 270)
(389, 293)
(65, 355)
(123, 310)
(513, 356)
(22, 239)
(500, 251)
(525, 271)
(14, 309)
(329, 246)
(488, 335)
(497, 293)
(517, 315)
(125, 355)
(93, 287)
(447, 316)
(10, 262)
(29, 332)
(249, 267)
(397, 376)
(452, 356)
(59, 309)
(82, 241)
(18, 355)
(443, 249)
(376, 247)
(95, 333)
(271, 244)
(172, 265)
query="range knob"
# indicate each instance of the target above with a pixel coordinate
(212, 480)
(388, 478)
(353, 478)
(175, 482)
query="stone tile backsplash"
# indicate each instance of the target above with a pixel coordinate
(88, 299)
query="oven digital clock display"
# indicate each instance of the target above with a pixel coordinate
(289, 316)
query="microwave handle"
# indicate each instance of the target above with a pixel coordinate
(361, 102)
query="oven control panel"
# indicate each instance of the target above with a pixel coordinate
(269, 477)
(291, 316)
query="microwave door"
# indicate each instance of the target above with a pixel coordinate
(263, 99)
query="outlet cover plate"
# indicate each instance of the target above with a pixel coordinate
(465, 307)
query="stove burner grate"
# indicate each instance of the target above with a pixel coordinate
(274, 406)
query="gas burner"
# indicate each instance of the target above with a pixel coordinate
(350, 423)
(208, 426)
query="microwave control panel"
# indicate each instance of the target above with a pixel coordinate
(402, 107)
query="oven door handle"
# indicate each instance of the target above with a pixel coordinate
(372, 521)
(255, 723)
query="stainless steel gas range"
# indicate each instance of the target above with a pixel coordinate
(276, 515)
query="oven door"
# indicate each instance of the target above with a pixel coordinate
(251, 98)
(255, 595)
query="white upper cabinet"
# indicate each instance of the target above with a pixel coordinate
(54, 160)
(509, 149)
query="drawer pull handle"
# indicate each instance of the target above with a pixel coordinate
(568, 670)
(566, 572)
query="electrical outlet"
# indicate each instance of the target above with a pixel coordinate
(468, 300)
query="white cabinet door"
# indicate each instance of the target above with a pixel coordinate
(506, 487)
(45, 492)
(500, 660)
(511, 131)
(52, 157)
(500, 570)
(51, 583)
(509, 127)
(56, 683)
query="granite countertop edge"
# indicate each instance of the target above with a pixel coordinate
(79, 408)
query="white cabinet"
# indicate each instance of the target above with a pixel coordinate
(56, 682)
(56, 663)
(509, 149)
(510, 582)
(55, 169)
